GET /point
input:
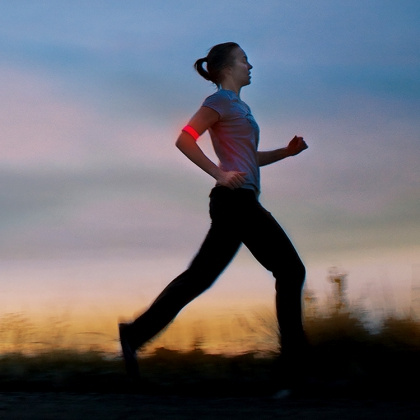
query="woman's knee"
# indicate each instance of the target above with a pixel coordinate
(301, 271)
(291, 274)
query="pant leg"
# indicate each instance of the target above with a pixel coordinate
(270, 245)
(217, 250)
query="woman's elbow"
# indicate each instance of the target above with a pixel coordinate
(179, 142)
(184, 141)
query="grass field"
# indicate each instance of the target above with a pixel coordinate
(347, 357)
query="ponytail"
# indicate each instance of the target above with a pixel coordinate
(218, 58)
(198, 65)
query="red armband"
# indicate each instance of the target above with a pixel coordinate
(188, 129)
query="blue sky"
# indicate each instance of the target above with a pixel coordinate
(95, 93)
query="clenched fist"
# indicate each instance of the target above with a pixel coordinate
(296, 145)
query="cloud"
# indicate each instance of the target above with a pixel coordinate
(94, 95)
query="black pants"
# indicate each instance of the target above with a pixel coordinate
(237, 217)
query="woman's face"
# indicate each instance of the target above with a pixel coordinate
(240, 68)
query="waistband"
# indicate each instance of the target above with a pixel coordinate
(237, 192)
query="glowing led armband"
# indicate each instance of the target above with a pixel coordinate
(188, 129)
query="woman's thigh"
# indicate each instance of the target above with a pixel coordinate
(268, 242)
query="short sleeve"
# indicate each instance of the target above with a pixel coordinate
(219, 102)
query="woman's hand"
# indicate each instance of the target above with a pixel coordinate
(296, 145)
(231, 179)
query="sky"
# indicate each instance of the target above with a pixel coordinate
(99, 210)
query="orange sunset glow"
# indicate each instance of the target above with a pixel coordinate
(100, 211)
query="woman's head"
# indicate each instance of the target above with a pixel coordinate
(219, 57)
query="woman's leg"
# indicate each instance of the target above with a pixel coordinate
(214, 255)
(270, 245)
(217, 250)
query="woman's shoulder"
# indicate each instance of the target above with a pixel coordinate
(222, 94)
(221, 101)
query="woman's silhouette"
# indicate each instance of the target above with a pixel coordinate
(236, 215)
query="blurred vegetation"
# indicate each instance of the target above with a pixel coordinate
(347, 356)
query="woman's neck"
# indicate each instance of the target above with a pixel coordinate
(229, 85)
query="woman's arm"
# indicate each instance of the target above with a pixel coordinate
(295, 146)
(200, 122)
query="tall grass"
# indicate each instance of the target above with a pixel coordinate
(345, 351)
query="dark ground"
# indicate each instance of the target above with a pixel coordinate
(196, 386)
(66, 405)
